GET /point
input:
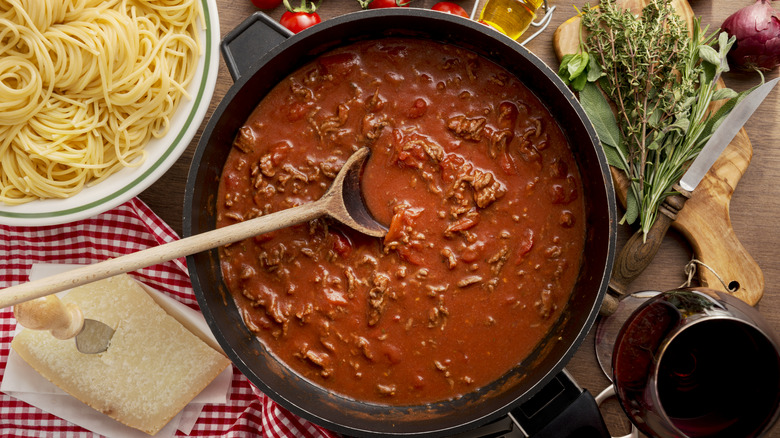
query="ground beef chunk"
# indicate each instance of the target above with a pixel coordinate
(377, 298)
(469, 129)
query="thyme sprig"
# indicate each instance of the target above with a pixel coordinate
(659, 78)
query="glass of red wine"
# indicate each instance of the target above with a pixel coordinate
(697, 363)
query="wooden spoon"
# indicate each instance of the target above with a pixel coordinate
(343, 201)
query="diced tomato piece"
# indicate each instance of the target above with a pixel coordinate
(411, 254)
(279, 152)
(507, 163)
(418, 109)
(403, 217)
(526, 244)
(450, 167)
(341, 244)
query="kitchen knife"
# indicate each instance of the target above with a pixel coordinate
(723, 135)
(639, 251)
(64, 321)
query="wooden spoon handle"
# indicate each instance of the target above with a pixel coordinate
(49, 313)
(200, 242)
(639, 251)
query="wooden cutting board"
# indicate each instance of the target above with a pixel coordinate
(705, 220)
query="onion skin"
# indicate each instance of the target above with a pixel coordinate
(757, 29)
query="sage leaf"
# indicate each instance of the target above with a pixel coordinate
(687, 103)
(710, 72)
(710, 55)
(600, 114)
(724, 93)
(714, 122)
(682, 124)
(632, 208)
(723, 43)
(613, 156)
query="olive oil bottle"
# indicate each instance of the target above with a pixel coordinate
(510, 17)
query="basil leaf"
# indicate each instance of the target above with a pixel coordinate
(579, 82)
(594, 69)
(563, 69)
(577, 65)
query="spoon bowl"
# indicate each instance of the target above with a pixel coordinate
(344, 200)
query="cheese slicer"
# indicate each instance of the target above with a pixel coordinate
(64, 321)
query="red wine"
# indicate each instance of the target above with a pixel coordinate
(719, 378)
(685, 364)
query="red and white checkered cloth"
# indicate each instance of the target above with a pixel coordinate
(128, 228)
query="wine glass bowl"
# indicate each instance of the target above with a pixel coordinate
(697, 363)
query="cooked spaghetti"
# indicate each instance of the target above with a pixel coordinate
(84, 85)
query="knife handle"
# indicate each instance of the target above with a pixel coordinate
(64, 321)
(639, 251)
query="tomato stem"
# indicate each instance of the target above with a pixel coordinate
(305, 7)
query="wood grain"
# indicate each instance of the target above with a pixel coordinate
(723, 262)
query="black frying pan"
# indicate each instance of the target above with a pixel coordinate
(527, 391)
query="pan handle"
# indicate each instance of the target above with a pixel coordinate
(560, 409)
(249, 41)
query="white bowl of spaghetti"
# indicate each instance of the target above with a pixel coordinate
(98, 99)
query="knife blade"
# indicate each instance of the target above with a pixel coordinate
(640, 249)
(724, 134)
(64, 321)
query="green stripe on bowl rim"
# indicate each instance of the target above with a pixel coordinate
(175, 144)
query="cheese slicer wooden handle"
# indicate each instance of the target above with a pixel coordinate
(64, 321)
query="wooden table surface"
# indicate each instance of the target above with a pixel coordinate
(755, 206)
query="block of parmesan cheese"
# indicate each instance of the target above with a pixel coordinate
(151, 370)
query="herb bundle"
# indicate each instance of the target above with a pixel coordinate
(647, 82)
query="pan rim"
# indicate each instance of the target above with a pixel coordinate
(502, 43)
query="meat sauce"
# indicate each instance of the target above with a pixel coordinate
(483, 200)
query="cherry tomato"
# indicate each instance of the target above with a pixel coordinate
(266, 4)
(297, 21)
(376, 4)
(450, 8)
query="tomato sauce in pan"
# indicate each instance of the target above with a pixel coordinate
(483, 201)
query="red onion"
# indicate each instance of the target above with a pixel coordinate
(757, 29)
